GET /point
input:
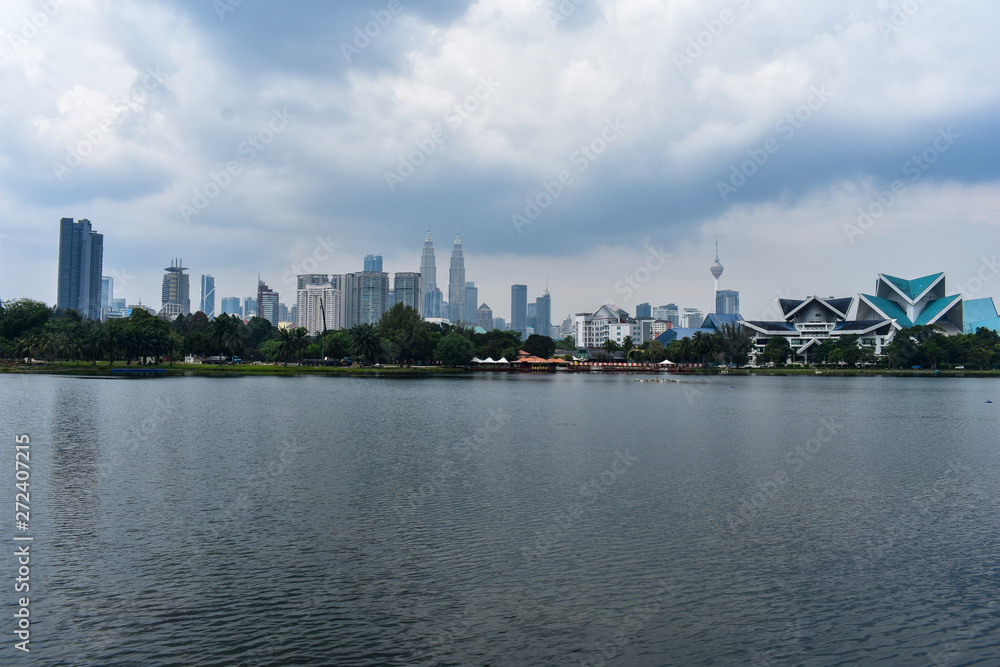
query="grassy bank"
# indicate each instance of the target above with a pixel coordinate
(181, 369)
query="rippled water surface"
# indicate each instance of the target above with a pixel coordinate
(507, 520)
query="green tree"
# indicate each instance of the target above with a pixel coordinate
(454, 350)
(407, 333)
(736, 342)
(627, 346)
(23, 316)
(610, 347)
(701, 346)
(539, 346)
(776, 351)
(366, 343)
(337, 344)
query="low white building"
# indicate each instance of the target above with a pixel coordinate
(608, 323)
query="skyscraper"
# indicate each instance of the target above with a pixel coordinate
(471, 299)
(484, 317)
(519, 309)
(249, 308)
(373, 263)
(176, 291)
(231, 306)
(312, 279)
(727, 302)
(428, 280)
(365, 296)
(267, 303)
(406, 290)
(319, 308)
(456, 283)
(81, 263)
(107, 295)
(208, 295)
(643, 310)
(543, 314)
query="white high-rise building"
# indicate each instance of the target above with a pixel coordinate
(319, 308)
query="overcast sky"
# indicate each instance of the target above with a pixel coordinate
(638, 129)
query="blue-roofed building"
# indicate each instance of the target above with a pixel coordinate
(923, 301)
(712, 323)
(978, 313)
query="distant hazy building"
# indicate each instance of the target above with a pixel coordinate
(727, 302)
(500, 323)
(284, 315)
(531, 309)
(107, 295)
(519, 309)
(170, 311)
(311, 279)
(668, 313)
(249, 308)
(118, 304)
(81, 263)
(456, 283)
(691, 318)
(176, 289)
(643, 310)
(373, 263)
(471, 299)
(406, 289)
(543, 314)
(319, 308)
(433, 303)
(366, 297)
(267, 303)
(231, 306)
(484, 317)
(208, 295)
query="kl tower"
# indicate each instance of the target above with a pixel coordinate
(717, 268)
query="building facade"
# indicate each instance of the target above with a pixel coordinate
(727, 302)
(267, 303)
(406, 288)
(519, 309)
(456, 283)
(81, 263)
(484, 317)
(543, 314)
(231, 306)
(176, 289)
(208, 295)
(107, 295)
(318, 308)
(607, 323)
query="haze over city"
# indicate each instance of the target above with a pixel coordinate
(245, 136)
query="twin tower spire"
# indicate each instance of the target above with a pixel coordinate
(432, 306)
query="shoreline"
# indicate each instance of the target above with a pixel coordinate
(186, 370)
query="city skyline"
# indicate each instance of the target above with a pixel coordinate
(839, 141)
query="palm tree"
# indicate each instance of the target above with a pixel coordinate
(685, 347)
(610, 347)
(366, 343)
(627, 346)
(701, 345)
(300, 340)
(93, 342)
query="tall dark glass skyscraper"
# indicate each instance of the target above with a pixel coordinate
(81, 262)
(519, 309)
(543, 314)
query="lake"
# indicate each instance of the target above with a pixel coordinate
(506, 519)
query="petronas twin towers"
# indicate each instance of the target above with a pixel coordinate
(433, 298)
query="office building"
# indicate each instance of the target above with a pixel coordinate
(267, 303)
(283, 313)
(456, 283)
(107, 295)
(176, 291)
(249, 308)
(431, 305)
(727, 302)
(319, 308)
(543, 314)
(118, 304)
(484, 317)
(231, 306)
(406, 290)
(691, 318)
(643, 310)
(519, 309)
(471, 299)
(365, 297)
(208, 295)
(81, 263)
(500, 323)
(311, 279)
(668, 313)
(373, 263)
